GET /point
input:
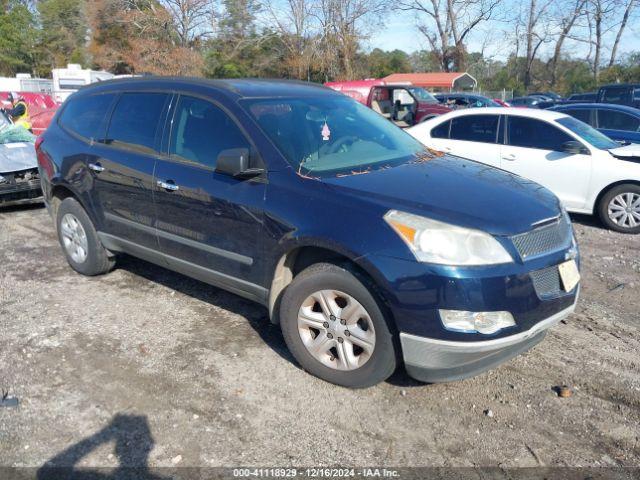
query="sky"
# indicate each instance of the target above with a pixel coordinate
(401, 33)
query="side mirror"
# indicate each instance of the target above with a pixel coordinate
(573, 147)
(235, 163)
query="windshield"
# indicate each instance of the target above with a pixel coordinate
(325, 136)
(588, 133)
(422, 95)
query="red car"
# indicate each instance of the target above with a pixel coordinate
(403, 104)
(42, 108)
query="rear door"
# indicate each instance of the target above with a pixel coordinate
(122, 166)
(475, 137)
(533, 149)
(209, 224)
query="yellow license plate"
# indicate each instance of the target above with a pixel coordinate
(569, 274)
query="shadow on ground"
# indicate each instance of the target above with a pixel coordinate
(133, 443)
(254, 313)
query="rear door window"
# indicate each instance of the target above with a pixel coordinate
(201, 131)
(475, 128)
(135, 119)
(582, 114)
(532, 133)
(85, 115)
(612, 120)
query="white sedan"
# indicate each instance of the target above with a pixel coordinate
(588, 171)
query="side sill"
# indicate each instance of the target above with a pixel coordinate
(240, 287)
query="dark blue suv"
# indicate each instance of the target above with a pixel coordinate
(364, 246)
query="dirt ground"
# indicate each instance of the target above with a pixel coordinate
(147, 367)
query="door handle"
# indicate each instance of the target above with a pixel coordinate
(511, 157)
(168, 185)
(96, 167)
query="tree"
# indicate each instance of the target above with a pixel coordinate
(381, 63)
(293, 21)
(568, 17)
(343, 24)
(192, 19)
(17, 38)
(446, 24)
(628, 10)
(64, 32)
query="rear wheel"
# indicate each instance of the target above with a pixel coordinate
(79, 240)
(619, 208)
(335, 327)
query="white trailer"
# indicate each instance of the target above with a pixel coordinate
(70, 79)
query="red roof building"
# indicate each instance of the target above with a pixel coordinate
(448, 81)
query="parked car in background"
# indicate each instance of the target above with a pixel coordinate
(550, 96)
(19, 179)
(306, 201)
(582, 97)
(502, 103)
(525, 102)
(618, 122)
(588, 171)
(41, 107)
(622, 94)
(465, 100)
(404, 105)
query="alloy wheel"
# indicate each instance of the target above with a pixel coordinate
(624, 210)
(74, 238)
(336, 330)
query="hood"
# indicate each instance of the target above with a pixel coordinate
(15, 157)
(628, 152)
(456, 191)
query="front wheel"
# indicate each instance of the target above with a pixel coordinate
(619, 208)
(335, 328)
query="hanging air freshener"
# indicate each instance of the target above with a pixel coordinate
(326, 133)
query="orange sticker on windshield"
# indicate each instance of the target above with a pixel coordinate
(326, 133)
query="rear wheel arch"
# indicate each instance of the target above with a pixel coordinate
(60, 192)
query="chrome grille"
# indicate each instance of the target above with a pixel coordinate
(545, 239)
(547, 282)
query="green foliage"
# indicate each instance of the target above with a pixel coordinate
(17, 38)
(381, 63)
(64, 31)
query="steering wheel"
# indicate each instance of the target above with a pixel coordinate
(341, 142)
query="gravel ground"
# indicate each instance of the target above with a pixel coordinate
(145, 366)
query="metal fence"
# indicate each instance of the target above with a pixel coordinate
(503, 94)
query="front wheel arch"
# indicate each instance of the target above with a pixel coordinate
(606, 196)
(608, 188)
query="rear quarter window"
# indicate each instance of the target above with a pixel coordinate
(441, 131)
(85, 115)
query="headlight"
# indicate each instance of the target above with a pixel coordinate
(437, 242)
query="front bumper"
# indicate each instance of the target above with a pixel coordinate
(19, 186)
(431, 360)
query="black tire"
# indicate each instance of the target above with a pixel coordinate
(603, 207)
(324, 276)
(98, 259)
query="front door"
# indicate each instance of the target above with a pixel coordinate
(534, 150)
(209, 225)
